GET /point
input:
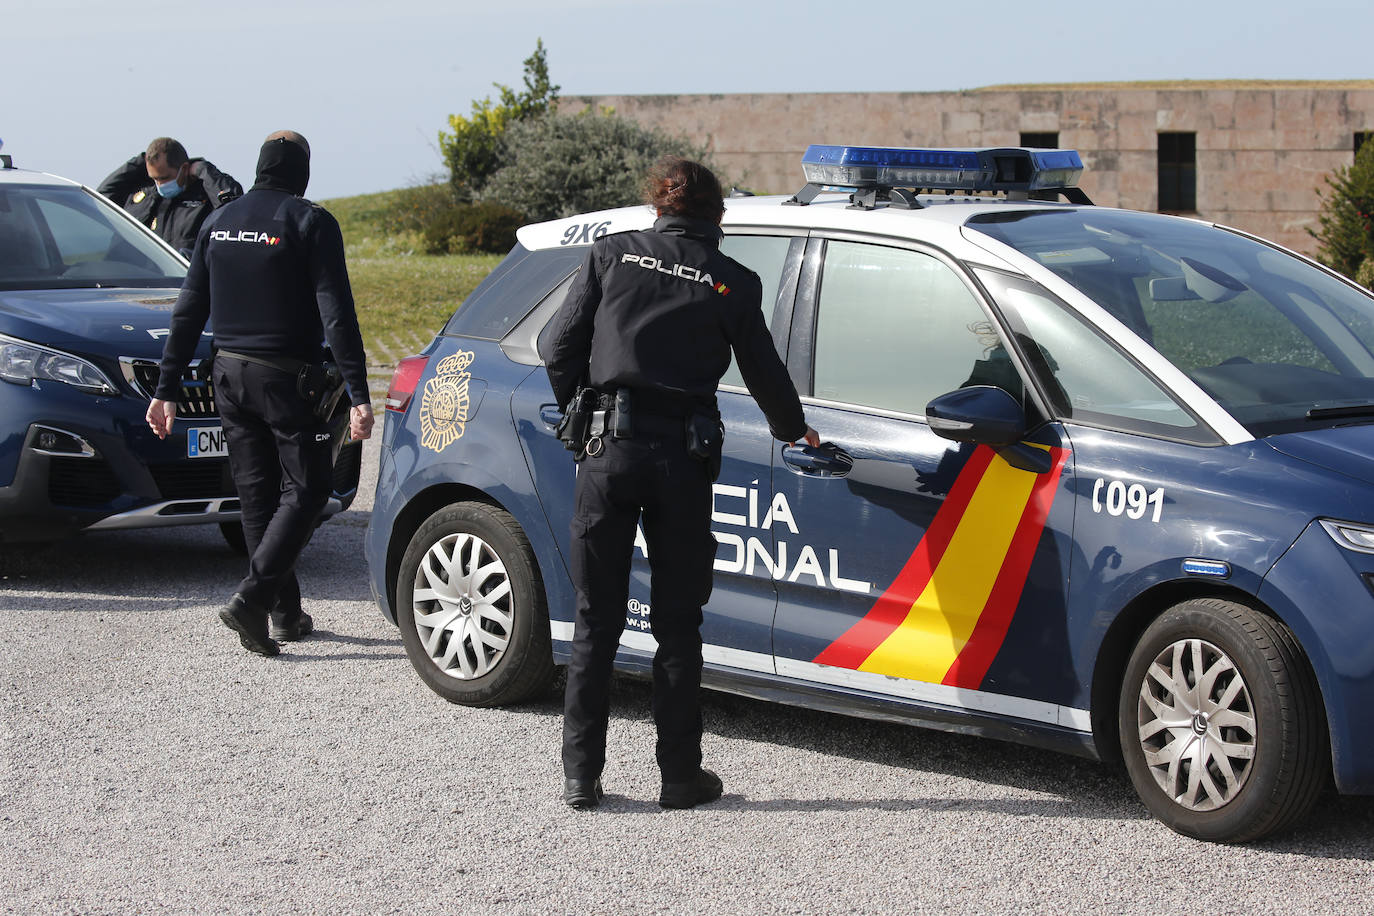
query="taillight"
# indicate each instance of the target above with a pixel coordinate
(403, 382)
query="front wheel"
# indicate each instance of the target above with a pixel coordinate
(1221, 722)
(471, 608)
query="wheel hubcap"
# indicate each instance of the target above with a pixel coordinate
(462, 606)
(1196, 725)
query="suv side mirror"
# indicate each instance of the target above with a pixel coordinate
(986, 415)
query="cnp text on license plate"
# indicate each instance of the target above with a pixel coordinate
(206, 442)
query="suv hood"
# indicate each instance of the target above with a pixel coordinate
(106, 322)
(1347, 450)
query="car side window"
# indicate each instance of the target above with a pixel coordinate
(1086, 377)
(896, 328)
(765, 255)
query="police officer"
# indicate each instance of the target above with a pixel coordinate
(169, 192)
(268, 272)
(649, 326)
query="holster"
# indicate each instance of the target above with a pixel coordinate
(574, 430)
(706, 441)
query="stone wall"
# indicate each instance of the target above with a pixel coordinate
(1262, 149)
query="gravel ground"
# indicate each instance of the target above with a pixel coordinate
(151, 765)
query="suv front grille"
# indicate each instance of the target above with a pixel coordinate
(200, 479)
(197, 397)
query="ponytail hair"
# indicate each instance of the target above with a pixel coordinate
(681, 187)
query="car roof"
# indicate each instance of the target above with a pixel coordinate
(29, 177)
(937, 221)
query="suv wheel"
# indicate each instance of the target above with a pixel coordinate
(470, 604)
(1221, 722)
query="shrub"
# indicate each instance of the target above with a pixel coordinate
(1365, 275)
(470, 151)
(558, 165)
(466, 228)
(1346, 237)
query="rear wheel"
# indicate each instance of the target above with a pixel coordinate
(471, 608)
(233, 536)
(1222, 726)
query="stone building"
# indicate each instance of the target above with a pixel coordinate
(1248, 154)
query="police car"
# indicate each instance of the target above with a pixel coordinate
(1095, 480)
(86, 293)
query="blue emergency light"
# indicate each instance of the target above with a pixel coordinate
(868, 170)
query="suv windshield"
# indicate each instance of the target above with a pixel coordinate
(66, 238)
(1279, 343)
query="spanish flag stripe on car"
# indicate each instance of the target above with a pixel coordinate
(973, 662)
(850, 650)
(945, 616)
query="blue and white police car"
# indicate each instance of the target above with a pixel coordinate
(1096, 480)
(86, 293)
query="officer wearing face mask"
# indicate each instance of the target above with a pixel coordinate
(170, 193)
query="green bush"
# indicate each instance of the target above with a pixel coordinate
(1365, 275)
(558, 165)
(1346, 237)
(466, 228)
(413, 209)
(471, 150)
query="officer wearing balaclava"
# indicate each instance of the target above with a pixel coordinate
(268, 274)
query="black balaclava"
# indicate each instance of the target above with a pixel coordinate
(283, 165)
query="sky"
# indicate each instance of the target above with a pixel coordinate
(85, 84)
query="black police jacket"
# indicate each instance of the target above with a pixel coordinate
(178, 219)
(268, 273)
(659, 312)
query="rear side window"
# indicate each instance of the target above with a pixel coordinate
(511, 290)
(765, 255)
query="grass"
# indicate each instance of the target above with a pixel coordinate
(403, 295)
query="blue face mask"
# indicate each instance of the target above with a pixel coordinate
(170, 189)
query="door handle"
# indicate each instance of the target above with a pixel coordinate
(824, 460)
(551, 415)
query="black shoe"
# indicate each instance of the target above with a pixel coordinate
(582, 793)
(290, 627)
(250, 622)
(704, 787)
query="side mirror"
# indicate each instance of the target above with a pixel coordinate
(978, 413)
(985, 415)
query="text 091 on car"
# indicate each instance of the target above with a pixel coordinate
(1097, 480)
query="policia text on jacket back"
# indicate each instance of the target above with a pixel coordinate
(645, 335)
(268, 273)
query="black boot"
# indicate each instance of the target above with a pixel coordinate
(582, 794)
(250, 622)
(704, 787)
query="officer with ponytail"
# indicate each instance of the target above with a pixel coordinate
(638, 350)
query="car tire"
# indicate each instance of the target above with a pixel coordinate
(471, 608)
(233, 536)
(1221, 721)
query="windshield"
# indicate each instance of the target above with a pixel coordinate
(66, 238)
(1279, 343)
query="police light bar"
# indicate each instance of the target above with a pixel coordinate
(990, 169)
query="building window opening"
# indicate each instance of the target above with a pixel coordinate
(1040, 139)
(1360, 137)
(1178, 173)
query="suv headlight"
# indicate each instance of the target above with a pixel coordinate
(1350, 535)
(21, 362)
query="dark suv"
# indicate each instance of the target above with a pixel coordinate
(85, 297)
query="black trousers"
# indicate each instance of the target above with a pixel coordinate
(281, 457)
(651, 477)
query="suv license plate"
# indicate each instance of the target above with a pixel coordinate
(206, 442)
